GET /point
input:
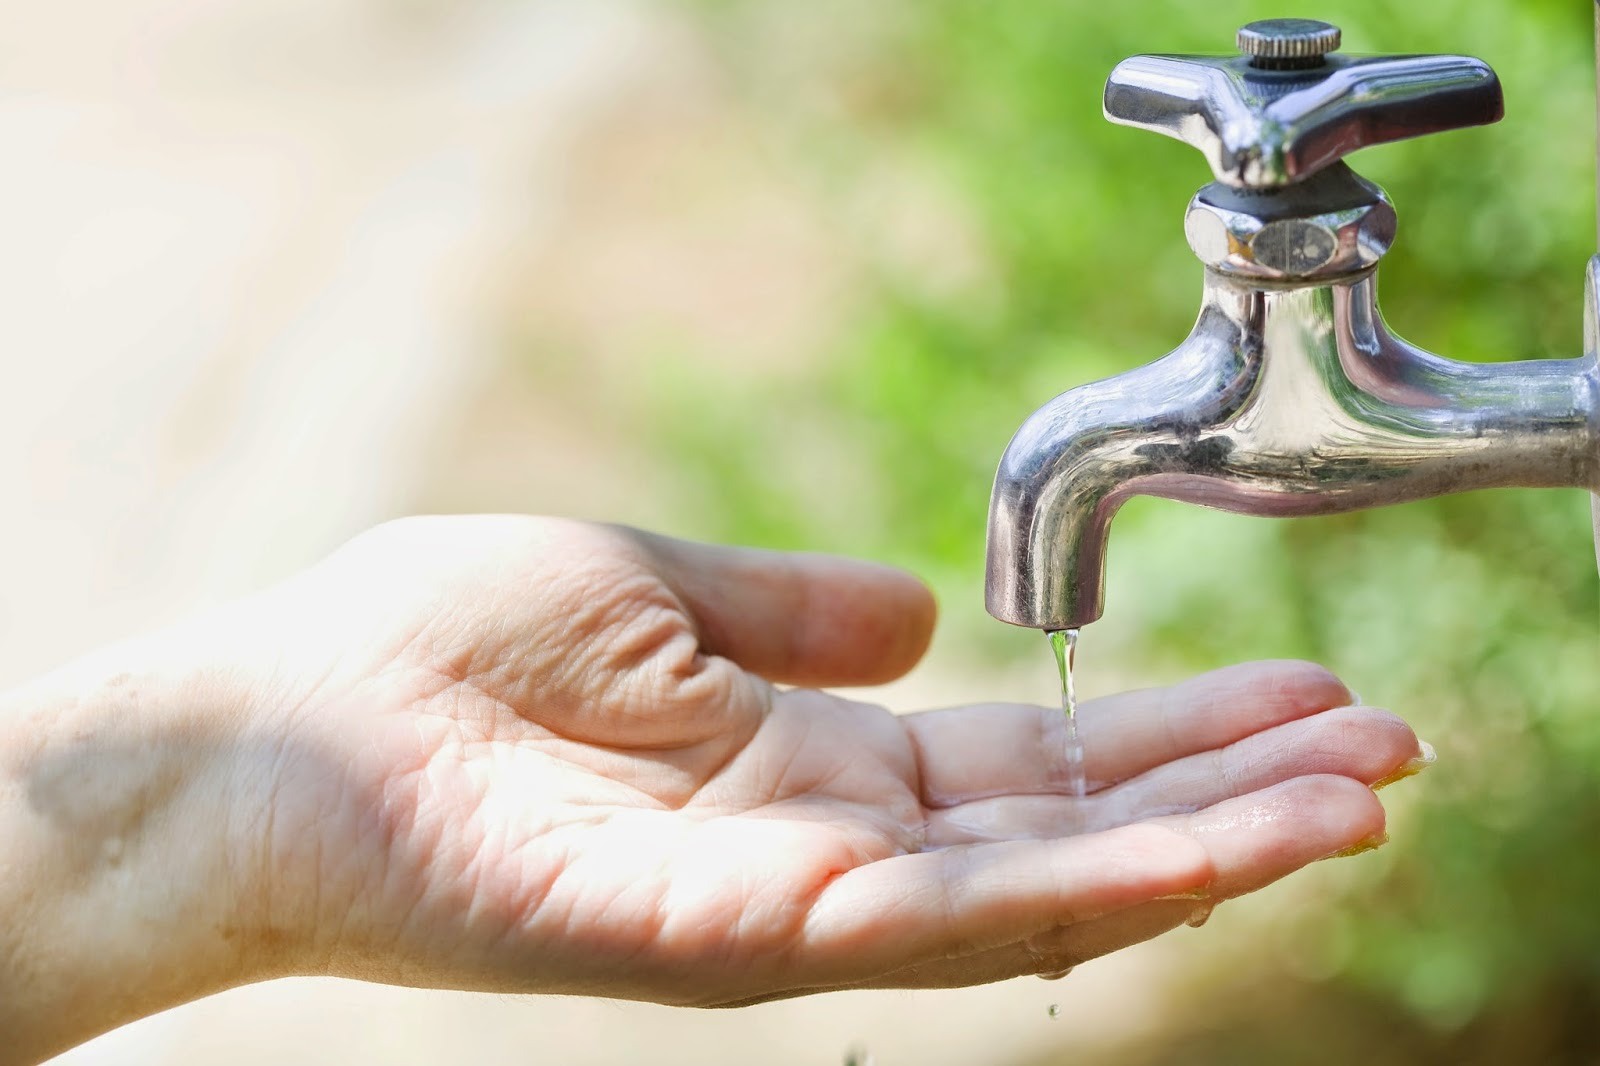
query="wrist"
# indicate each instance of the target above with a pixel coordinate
(120, 893)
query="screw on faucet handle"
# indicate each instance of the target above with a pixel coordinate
(1287, 44)
(1288, 107)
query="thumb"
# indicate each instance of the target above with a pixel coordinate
(799, 619)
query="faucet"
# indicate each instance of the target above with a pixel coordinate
(1290, 396)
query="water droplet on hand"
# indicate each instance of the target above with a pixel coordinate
(1054, 1011)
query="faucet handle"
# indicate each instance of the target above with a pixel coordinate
(1287, 108)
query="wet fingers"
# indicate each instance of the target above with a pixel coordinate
(971, 753)
(914, 910)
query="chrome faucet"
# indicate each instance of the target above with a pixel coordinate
(1290, 397)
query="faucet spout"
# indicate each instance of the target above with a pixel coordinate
(1282, 401)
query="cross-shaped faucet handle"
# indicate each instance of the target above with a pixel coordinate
(1286, 107)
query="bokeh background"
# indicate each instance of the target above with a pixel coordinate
(790, 274)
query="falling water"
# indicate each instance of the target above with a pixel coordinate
(1064, 642)
(1597, 531)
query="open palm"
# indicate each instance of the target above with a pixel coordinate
(563, 766)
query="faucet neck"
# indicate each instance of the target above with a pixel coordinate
(1284, 400)
(1324, 373)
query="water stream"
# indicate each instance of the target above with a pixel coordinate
(1064, 642)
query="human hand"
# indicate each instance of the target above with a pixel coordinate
(546, 756)
(540, 756)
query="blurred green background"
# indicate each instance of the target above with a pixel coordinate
(791, 274)
(1059, 258)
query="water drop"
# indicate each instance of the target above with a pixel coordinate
(1054, 1010)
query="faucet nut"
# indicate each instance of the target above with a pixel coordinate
(1300, 249)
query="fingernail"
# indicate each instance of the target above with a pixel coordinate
(1355, 699)
(1424, 758)
(1361, 847)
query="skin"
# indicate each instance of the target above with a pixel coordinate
(539, 756)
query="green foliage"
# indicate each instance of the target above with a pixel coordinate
(1475, 616)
